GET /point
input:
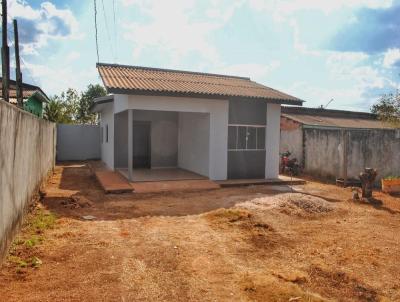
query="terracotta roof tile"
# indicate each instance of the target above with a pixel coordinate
(135, 79)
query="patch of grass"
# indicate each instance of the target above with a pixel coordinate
(23, 251)
(33, 241)
(41, 220)
(18, 261)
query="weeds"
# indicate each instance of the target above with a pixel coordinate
(24, 249)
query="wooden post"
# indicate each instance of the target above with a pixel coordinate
(5, 54)
(130, 144)
(18, 74)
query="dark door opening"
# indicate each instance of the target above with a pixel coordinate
(141, 144)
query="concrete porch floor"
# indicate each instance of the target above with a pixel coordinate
(163, 174)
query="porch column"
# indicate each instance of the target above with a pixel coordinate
(130, 144)
(272, 140)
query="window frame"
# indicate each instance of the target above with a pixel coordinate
(247, 133)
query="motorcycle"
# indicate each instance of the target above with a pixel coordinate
(289, 165)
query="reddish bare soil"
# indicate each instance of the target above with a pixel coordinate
(257, 243)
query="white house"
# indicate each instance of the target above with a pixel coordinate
(217, 126)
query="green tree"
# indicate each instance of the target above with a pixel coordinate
(86, 101)
(53, 111)
(63, 108)
(388, 108)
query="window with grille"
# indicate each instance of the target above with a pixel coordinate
(246, 138)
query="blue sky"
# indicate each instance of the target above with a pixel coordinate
(346, 50)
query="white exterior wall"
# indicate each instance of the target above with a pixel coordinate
(272, 140)
(107, 148)
(194, 142)
(218, 110)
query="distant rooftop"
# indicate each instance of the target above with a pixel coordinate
(334, 118)
(27, 89)
(156, 81)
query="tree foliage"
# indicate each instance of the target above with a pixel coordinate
(86, 101)
(72, 107)
(388, 108)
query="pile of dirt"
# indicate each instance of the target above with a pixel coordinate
(290, 204)
(76, 202)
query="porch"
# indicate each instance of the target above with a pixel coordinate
(154, 145)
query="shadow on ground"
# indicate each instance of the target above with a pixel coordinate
(74, 192)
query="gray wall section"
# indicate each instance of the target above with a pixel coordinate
(78, 142)
(247, 164)
(27, 155)
(324, 152)
(248, 112)
(121, 140)
(164, 137)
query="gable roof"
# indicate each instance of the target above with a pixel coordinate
(28, 90)
(155, 81)
(318, 117)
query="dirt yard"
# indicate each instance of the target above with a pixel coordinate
(257, 243)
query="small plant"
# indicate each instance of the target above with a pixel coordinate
(24, 247)
(33, 241)
(20, 263)
(36, 262)
(41, 221)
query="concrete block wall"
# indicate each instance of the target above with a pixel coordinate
(324, 152)
(78, 142)
(27, 155)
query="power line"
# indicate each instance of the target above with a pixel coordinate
(107, 30)
(28, 71)
(115, 34)
(95, 26)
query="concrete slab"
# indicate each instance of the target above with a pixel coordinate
(282, 180)
(173, 185)
(113, 182)
(161, 174)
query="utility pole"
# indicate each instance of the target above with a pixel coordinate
(18, 74)
(5, 54)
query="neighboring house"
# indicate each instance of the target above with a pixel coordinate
(214, 125)
(337, 143)
(33, 96)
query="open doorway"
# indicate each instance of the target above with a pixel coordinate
(141, 144)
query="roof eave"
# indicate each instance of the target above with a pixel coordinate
(99, 101)
(41, 96)
(200, 95)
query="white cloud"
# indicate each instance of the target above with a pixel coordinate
(175, 31)
(73, 56)
(38, 26)
(252, 70)
(343, 68)
(283, 8)
(391, 57)
(348, 66)
(46, 76)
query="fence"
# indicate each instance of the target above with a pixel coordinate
(27, 155)
(78, 142)
(331, 153)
